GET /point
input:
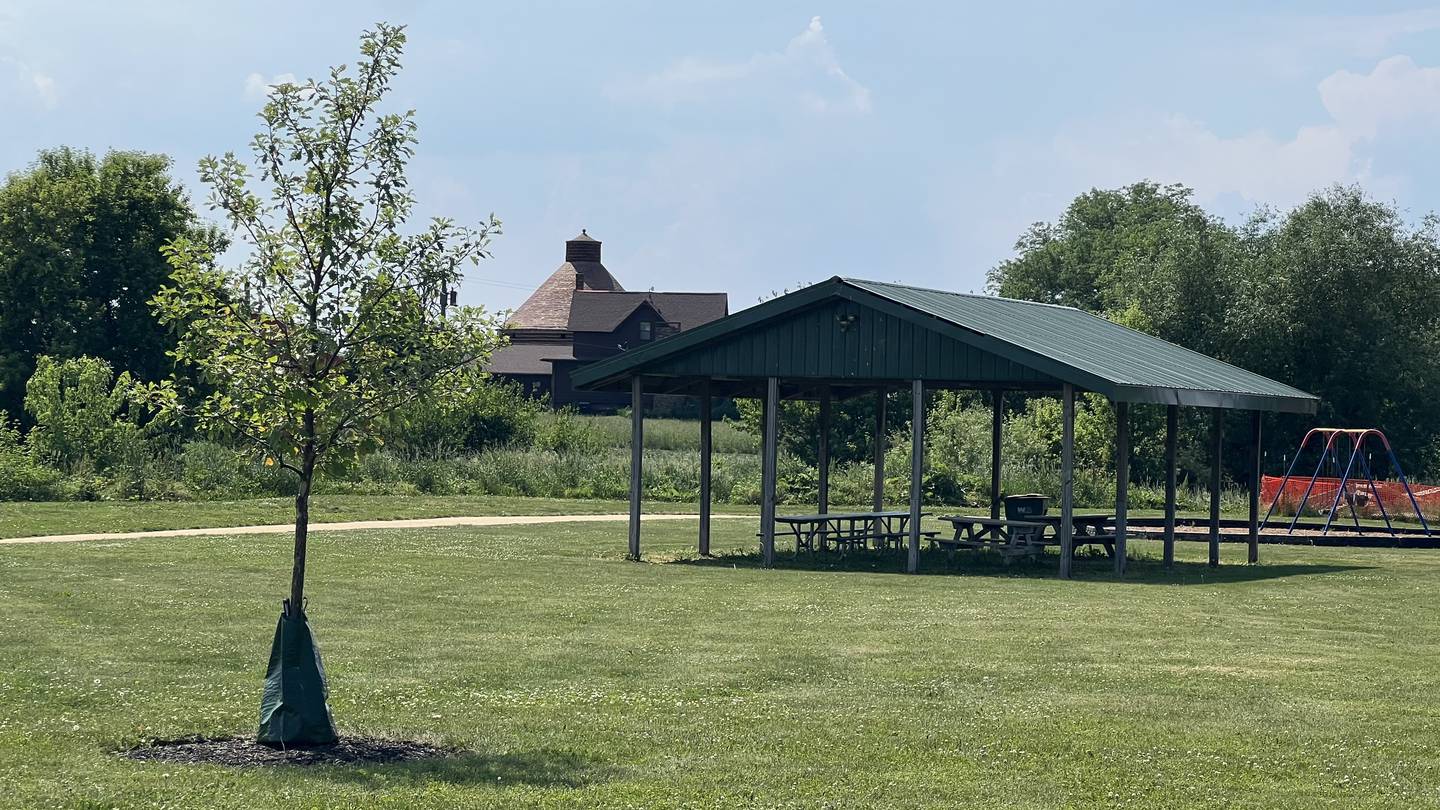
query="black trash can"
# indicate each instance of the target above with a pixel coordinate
(1025, 507)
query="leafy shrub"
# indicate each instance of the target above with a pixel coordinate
(852, 425)
(272, 480)
(214, 470)
(488, 413)
(82, 412)
(21, 479)
(211, 468)
(432, 477)
(142, 477)
(82, 484)
(380, 468)
(568, 432)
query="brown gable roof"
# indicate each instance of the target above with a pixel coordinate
(528, 358)
(604, 312)
(599, 303)
(690, 310)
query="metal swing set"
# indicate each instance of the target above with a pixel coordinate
(1348, 486)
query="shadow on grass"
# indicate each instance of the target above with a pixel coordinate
(1090, 565)
(541, 768)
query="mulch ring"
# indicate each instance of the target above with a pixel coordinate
(245, 752)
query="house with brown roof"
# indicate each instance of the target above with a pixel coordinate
(581, 314)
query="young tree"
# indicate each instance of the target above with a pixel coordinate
(335, 318)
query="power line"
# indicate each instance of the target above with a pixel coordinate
(505, 284)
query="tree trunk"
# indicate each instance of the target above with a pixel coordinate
(294, 709)
(296, 604)
(295, 607)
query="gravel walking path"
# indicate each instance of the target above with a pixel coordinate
(349, 525)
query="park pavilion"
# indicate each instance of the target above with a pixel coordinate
(846, 337)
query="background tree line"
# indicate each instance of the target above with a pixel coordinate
(80, 259)
(1339, 296)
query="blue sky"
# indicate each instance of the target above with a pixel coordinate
(752, 146)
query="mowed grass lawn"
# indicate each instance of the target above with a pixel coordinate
(573, 678)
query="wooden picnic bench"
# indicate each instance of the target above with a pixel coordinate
(1089, 530)
(1007, 537)
(1017, 538)
(849, 530)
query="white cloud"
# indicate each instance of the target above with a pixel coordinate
(806, 71)
(45, 88)
(1397, 92)
(257, 87)
(1396, 97)
(811, 46)
(1030, 180)
(1289, 45)
(41, 84)
(1256, 165)
(1365, 35)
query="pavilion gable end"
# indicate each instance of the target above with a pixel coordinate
(840, 339)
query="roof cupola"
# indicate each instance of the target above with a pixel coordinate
(583, 248)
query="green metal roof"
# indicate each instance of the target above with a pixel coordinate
(853, 332)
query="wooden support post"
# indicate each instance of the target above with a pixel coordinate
(707, 409)
(997, 423)
(637, 452)
(1067, 480)
(1122, 481)
(1217, 449)
(1255, 437)
(1172, 438)
(768, 471)
(822, 455)
(917, 470)
(880, 439)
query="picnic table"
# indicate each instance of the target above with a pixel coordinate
(1015, 538)
(848, 530)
